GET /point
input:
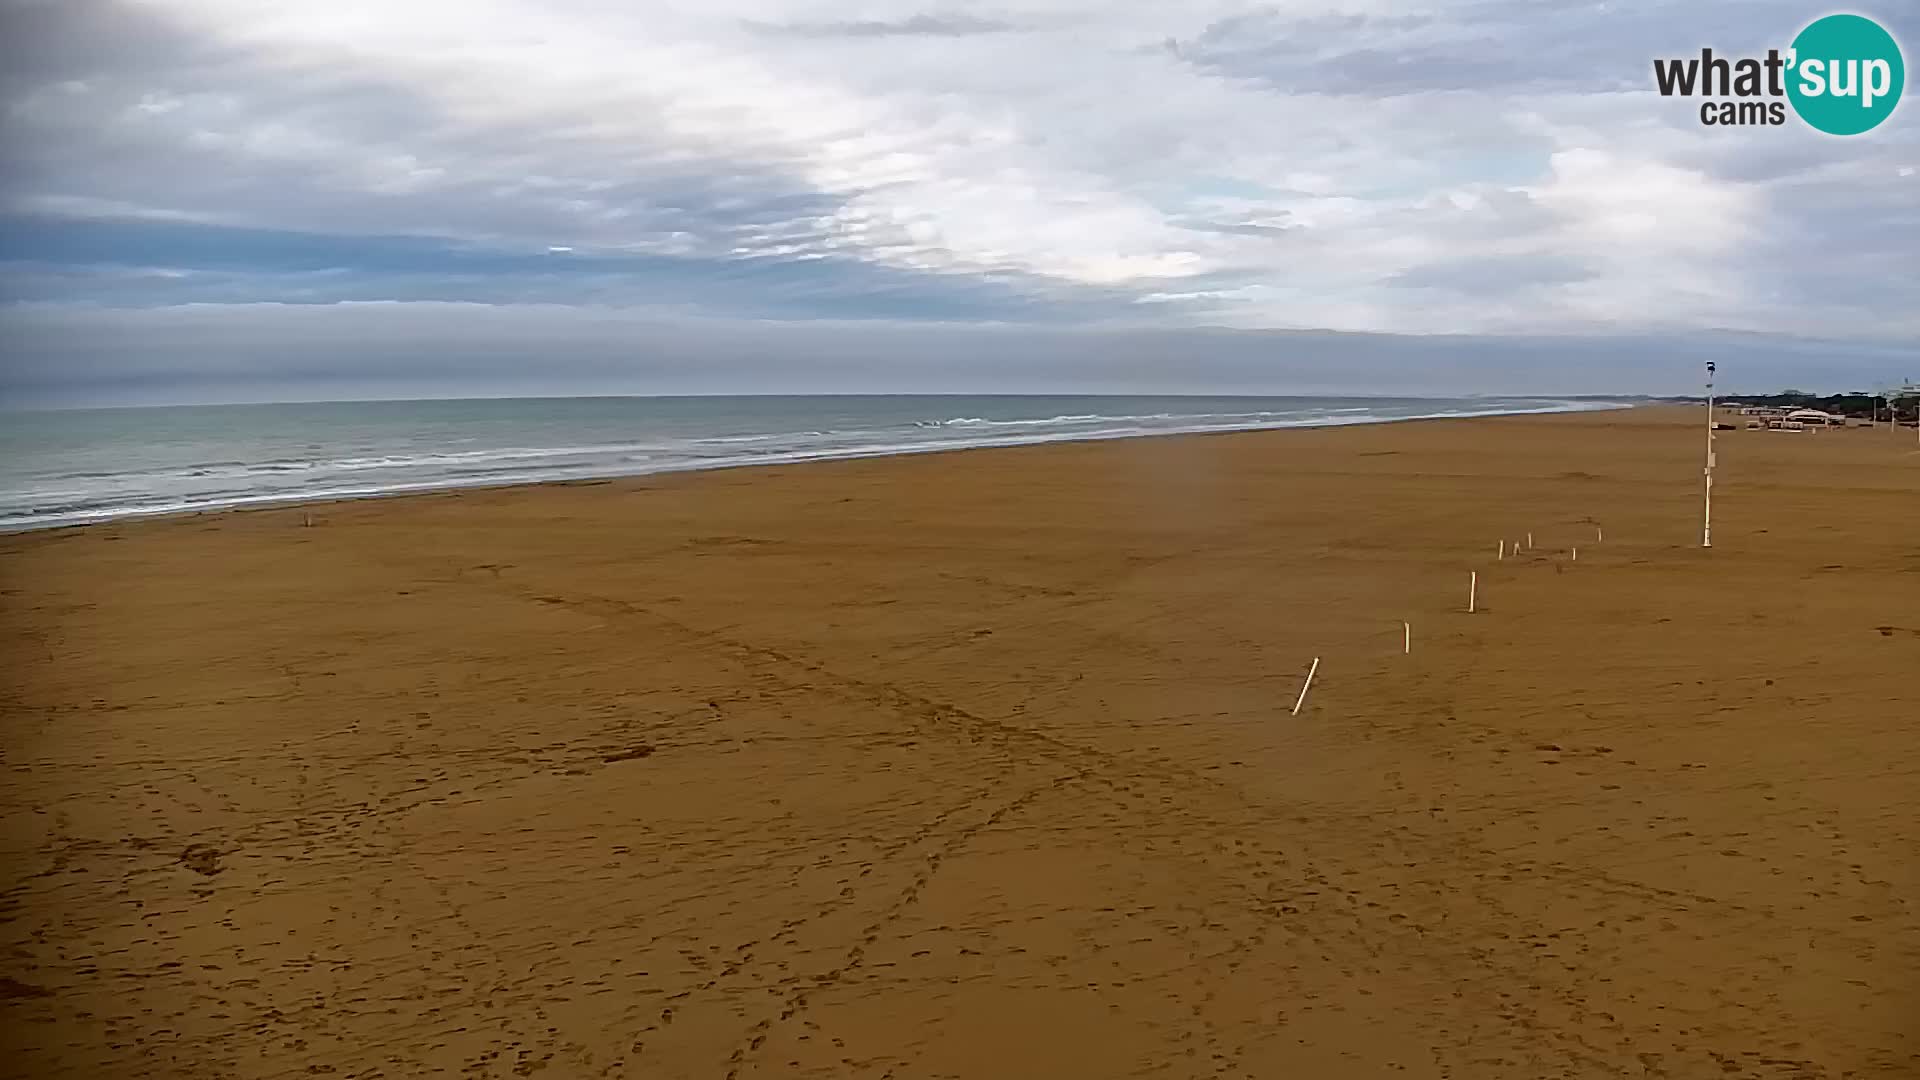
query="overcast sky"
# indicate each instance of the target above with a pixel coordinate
(237, 200)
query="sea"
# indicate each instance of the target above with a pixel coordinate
(72, 467)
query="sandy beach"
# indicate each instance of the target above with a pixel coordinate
(980, 764)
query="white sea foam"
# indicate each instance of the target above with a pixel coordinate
(247, 463)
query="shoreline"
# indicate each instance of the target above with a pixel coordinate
(984, 765)
(244, 504)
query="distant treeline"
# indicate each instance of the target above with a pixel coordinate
(1860, 405)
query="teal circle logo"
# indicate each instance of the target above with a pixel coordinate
(1846, 74)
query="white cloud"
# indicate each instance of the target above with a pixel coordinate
(1351, 165)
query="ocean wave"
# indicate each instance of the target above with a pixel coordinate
(226, 470)
(223, 485)
(1099, 418)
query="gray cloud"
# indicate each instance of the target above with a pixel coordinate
(1481, 168)
(1243, 223)
(1494, 275)
(385, 350)
(1505, 45)
(922, 25)
(157, 263)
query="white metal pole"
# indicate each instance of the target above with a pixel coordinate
(1706, 522)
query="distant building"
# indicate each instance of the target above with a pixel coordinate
(1816, 417)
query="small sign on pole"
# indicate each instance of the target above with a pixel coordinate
(1706, 517)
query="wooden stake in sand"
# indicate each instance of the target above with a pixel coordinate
(1598, 534)
(1502, 551)
(1529, 541)
(1406, 641)
(1576, 554)
(308, 523)
(1473, 587)
(1304, 687)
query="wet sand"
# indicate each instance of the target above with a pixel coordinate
(980, 765)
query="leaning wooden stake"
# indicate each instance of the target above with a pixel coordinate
(1473, 588)
(1304, 687)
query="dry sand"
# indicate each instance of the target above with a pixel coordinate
(979, 765)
